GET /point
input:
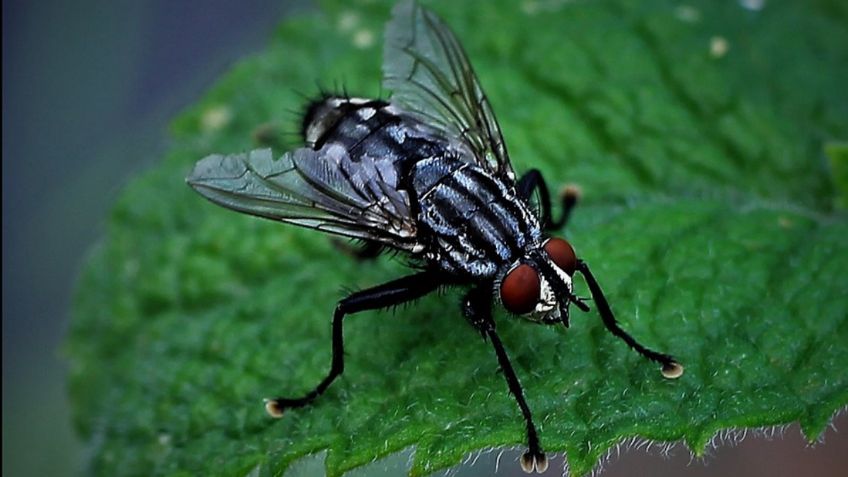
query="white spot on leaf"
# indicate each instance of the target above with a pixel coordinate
(363, 38)
(753, 5)
(348, 21)
(215, 118)
(687, 13)
(718, 46)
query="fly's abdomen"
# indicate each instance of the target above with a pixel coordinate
(475, 223)
(367, 128)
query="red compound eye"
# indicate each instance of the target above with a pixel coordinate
(562, 254)
(520, 289)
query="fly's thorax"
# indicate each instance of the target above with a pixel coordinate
(473, 223)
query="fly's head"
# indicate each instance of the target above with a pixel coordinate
(538, 286)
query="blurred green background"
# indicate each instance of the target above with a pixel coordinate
(88, 88)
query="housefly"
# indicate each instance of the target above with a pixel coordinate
(425, 173)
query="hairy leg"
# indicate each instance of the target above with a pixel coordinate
(670, 367)
(367, 250)
(382, 296)
(533, 180)
(477, 307)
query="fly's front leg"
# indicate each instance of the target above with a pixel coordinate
(382, 296)
(477, 306)
(671, 369)
(532, 180)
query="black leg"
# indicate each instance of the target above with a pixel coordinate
(382, 296)
(670, 367)
(477, 307)
(368, 250)
(532, 180)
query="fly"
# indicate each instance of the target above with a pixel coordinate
(427, 174)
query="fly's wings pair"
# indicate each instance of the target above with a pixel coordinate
(432, 81)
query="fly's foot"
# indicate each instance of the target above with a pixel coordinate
(534, 461)
(277, 407)
(274, 408)
(672, 370)
(570, 194)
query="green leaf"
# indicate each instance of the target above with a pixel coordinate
(710, 216)
(837, 153)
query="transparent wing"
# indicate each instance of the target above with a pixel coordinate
(431, 78)
(321, 189)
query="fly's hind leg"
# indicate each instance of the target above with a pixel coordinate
(389, 294)
(533, 180)
(477, 308)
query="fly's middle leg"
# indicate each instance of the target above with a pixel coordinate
(389, 294)
(533, 180)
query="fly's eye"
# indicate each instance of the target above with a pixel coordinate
(562, 254)
(520, 289)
